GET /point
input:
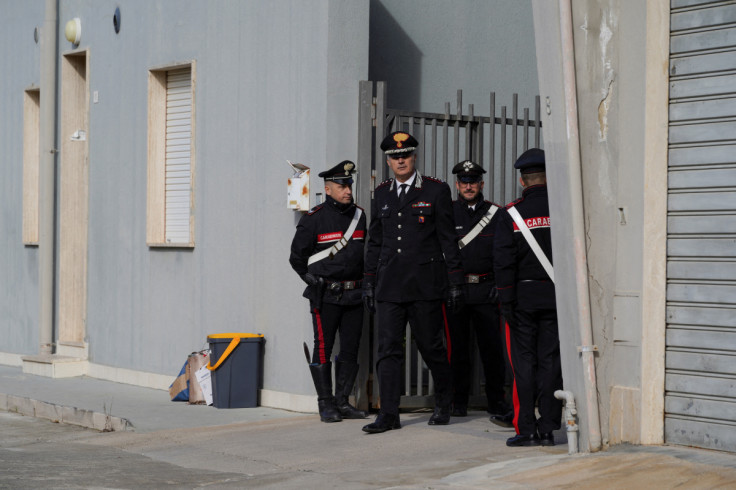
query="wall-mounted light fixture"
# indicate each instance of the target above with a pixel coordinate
(73, 31)
(116, 20)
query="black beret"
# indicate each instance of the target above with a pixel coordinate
(399, 142)
(468, 171)
(531, 161)
(342, 173)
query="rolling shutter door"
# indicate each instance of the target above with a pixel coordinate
(700, 379)
(178, 155)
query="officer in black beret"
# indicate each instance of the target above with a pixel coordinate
(525, 281)
(412, 267)
(475, 222)
(327, 253)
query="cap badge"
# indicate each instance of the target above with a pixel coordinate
(468, 166)
(348, 167)
(399, 138)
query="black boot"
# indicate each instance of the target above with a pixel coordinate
(345, 374)
(322, 376)
(383, 422)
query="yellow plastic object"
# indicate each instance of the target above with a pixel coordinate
(233, 343)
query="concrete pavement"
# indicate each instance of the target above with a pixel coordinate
(187, 446)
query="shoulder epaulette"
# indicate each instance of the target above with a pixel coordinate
(514, 203)
(433, 179)
(493, 204)
(387, 181)
(315, 209)
(362, 209)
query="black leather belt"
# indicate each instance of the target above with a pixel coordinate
(477, 278)
(343, 285)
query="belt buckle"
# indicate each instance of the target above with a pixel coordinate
(349, 284)
(473, 279)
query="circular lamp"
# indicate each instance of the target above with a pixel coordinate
(73, 30)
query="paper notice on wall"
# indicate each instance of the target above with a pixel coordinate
(204, 378)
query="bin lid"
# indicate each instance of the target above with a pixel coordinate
(233, 335)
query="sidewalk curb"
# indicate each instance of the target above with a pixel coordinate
(63, 414)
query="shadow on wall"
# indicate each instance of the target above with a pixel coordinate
(394, 58)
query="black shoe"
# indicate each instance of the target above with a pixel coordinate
(523, 440)
(322, 377)
(459, 410)
(383, 422)
(328, 412)
(547, 439)
(506, 420)
(441, 416)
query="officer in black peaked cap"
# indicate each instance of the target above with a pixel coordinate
(525, 281)
(412, 267)
(475, 222)
(327, 253)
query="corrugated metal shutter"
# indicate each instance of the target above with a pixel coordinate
(178, 155)
(700, 400)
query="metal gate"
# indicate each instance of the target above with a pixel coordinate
(700, 376)
(493, 141)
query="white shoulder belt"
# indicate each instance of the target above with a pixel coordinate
(329, 252)
(478, 227)
(532, 242)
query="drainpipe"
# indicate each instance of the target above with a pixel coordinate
(47, 173)
(570, 424)
(587, 349)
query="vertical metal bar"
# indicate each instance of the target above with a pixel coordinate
(420, 374)
(469, 134)
(479, 153)
(504, 184)
(379, 171)
(537, 121)
(445, 138)
(492, 151)
(434, 146)
(514, 127)
(379, 163)
(526, 129)
(422, 145)
(364, 188)
(456, 149)
(407, 362)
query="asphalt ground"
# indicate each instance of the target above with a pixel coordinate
(168, 444)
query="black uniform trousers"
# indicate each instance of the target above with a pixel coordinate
(327, 321)
(535, 358)
(484, 319)
(427, 321)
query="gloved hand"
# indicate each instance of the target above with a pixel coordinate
(508, 310)
(369, 301)
(455, 298)
(312, 279)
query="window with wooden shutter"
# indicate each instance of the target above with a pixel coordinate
(170, 213)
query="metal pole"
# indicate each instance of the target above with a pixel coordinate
(576, 193)
(47, 173)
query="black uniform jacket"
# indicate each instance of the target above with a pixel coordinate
(477, 256)
(520, 276)
(412, 248)
(319, 229)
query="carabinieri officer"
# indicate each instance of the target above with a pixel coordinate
(475, 222)
(327, 253)
(412, 266)
(522, 258)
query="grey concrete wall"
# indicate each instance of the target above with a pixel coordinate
(428, 49)
(19, 62)
(275, 80)
(610, 39)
